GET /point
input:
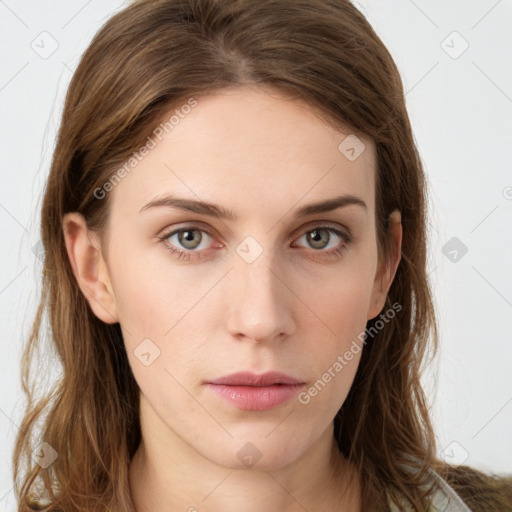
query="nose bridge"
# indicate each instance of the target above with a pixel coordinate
(260, 305)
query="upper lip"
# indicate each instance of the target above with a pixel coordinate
(252, 379)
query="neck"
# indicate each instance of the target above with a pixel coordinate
(168, 474)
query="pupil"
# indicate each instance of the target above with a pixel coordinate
(189, 236)
(316, 236)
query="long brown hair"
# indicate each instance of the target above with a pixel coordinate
(154, 56)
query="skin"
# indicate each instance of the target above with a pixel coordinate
(293, 309)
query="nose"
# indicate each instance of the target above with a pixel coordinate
(260, 300)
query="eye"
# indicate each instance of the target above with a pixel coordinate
(186, 242)
(192, 242)
(189, 238)
(321, 239)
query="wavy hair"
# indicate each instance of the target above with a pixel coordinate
(149, 58)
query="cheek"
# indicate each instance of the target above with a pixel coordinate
(150, 293)
(336, 355)
(341, 299)
(161, 312)
(341, 304)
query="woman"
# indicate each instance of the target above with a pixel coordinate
(234, 276)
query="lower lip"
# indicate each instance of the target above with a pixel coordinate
(256, 398)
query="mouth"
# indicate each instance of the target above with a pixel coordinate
(252, 392)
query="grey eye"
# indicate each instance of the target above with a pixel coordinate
(318, 238)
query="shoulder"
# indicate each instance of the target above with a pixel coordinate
(464, 489)
(475, 490)
(441, 497)
(444, 497)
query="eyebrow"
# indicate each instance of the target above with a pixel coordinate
(220, 212)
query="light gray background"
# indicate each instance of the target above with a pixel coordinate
(460, 106)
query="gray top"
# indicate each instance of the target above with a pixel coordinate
(444, 498)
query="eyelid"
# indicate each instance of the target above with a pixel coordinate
(195, 225)
(319, 224)
(310, 226)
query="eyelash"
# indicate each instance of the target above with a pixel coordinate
(347, 238)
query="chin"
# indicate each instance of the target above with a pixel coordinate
(255, 452)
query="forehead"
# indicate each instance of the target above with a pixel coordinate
(253, 150)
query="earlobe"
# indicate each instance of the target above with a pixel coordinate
(84, 252)
(386, 274)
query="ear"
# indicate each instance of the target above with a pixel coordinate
(387, 269)
(84, 251)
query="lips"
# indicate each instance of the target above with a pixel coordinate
(251, 379)
(251, 392)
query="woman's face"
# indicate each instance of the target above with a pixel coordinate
(264, 288)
